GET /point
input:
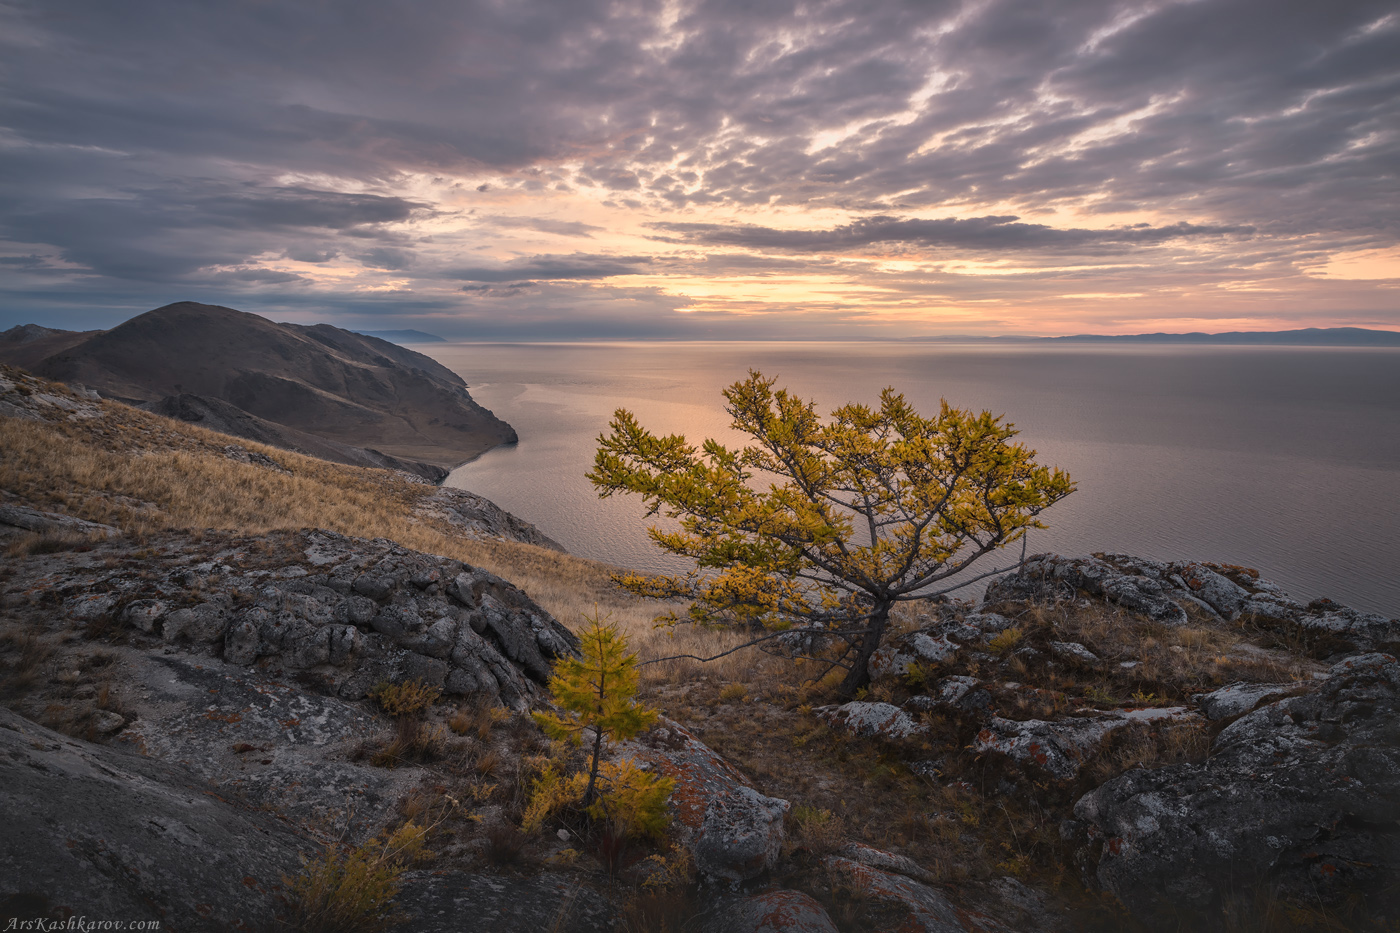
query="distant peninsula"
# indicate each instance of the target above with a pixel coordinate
(318, 390)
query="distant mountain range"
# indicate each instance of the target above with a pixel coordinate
(403, 336)
(324, 391)
(1306, 337)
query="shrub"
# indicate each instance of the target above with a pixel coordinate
(352, 891)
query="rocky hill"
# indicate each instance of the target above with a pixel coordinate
(194, 673)
(320, 390)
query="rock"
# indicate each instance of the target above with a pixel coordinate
(873, 720)
(241, 642)
(923, 647)
(1061, 747)
(145, 614)
(1129, 587)
(1073, 651)
(734, 831)
(1223, 595)
(885, 861)
(924, 907)
(478, 517)
(93, 831)
(291, 619)
(741, 835)
(200, 624)
(1301, 797)
(106, 722)
(462, 902)
(1234, 699)
(19, 516)
(1161, 591)
(781, 911)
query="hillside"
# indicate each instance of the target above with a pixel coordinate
(178, 639)
(369, 401)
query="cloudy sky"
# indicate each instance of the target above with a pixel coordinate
(718, 168)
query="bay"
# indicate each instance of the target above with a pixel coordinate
(1283, 459)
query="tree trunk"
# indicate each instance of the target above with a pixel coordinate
(859, 674)
(592, 791)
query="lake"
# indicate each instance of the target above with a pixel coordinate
(1283, 459)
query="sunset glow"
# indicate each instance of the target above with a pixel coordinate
(705, 169)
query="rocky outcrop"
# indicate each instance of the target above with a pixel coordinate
(781, 911)
(477, 517)
(27, 519)
(1060, 747)
(734, 832)
(1163, 591)
(95, 832)
(1238, 698)
(350, 611)
(1300, 797)
(914, 905)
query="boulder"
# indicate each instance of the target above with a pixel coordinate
(1301, 797)
(872, 720)
(1240, 697)
(741, 835)
(1138, 587)
(734, 831)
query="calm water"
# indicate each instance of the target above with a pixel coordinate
(1283, 459)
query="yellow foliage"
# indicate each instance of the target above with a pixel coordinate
(352, 891)
(826, 524)
(1005, 640)
(406, 699)
(633, 800)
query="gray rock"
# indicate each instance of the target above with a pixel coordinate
(145, 614)
(1223, 595)
(461, 902)
(781, 911)
(242, 640)
(92, 831)
(886, 861)
(1073, 651)
(741, 836)
(926, 907)
(1301, 796)
(1234, 699)
(200, 624)
(873, 720)
(1062, 746)
(18, 516)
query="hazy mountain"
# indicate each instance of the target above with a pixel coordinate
(1306, 337)
(403, 336)
(347, 388)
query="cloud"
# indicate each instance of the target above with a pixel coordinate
(574, 266)
(981, 234)
(145, 145)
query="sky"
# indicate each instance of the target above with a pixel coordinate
(718, 169)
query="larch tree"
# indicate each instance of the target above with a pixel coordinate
(597, 692)
(818, 528)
